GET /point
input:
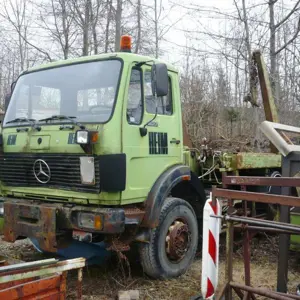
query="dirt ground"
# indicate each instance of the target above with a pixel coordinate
(104, 282)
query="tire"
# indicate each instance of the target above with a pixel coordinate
(158, 261)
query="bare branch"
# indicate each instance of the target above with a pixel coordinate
(291, 40)
(18, 27)
(238, 10)
(288, 15)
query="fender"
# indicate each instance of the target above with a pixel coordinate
(162, 187)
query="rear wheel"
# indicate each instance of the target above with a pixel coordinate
(173, 243)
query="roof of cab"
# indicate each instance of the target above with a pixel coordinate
(127, 57)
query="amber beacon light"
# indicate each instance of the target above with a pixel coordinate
(125, 43)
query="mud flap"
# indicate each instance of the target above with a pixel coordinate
(94, 253)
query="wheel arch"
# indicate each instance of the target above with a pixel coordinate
(177, 181)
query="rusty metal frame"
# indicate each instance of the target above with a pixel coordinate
(261, 181)
(246, 291)
(40, 279)
(48, 222)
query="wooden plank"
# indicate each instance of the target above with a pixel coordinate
(48, 286)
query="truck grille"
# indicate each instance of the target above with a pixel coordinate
(17, 170)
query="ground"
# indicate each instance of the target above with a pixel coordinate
(103, 283)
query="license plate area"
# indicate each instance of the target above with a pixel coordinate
(27, 220)
(82, 236)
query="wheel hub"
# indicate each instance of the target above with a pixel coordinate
(178, 240)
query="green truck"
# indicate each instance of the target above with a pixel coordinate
(94, 150)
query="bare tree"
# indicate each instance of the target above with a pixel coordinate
(139, 26)
(156, 18)
(82, 14)
(95, 13)
(63, 29)
(17, 16)
(118, 20)
(274, 28)
(108, 21)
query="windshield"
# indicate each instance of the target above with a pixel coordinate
(85, 92)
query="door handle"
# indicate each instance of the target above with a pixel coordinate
(174, 141)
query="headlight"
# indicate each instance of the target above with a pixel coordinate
(1, 209)
(82, 137)
(85, 137)
(87, 220)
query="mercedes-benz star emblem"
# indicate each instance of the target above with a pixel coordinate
(41, 171)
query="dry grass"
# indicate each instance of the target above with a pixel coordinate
(106, 282)
(103, 283)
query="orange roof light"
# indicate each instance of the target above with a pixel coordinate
(125, 43)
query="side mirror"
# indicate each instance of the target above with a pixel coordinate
(159, 80)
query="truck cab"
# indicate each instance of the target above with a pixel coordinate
(92, 150)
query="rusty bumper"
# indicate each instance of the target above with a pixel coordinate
(46, 222)
(30, 221)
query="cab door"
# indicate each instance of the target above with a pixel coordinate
(150, 155)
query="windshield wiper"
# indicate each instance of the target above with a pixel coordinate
(63, 117)
(31, 121)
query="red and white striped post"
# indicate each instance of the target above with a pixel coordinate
(210, 248)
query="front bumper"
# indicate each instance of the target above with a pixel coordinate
(46, 221)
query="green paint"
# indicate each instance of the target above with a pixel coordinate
(257, 160)
(190, 159)
(247, 161)
(295, 239)
(127, 57)
(146, 157)
(115, 136)
(1, 225)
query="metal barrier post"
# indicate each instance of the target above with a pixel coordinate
(284, 229)
(290, 166)
(229, 254)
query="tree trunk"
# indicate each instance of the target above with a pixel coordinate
(65, 29)
(118, 25)
(94, 20)
(156, 28)
(273, 61)
(86, 27)
(109, 5)
(248, 44)
(139, 28)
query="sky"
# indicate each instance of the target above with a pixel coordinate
(187, 22)
(207, 21)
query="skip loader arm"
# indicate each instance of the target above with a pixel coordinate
(259, 73)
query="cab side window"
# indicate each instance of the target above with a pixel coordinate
(135, 98)
(164, 104)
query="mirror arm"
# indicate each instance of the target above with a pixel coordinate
(143, 130)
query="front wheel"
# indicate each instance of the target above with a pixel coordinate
(173, 243)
